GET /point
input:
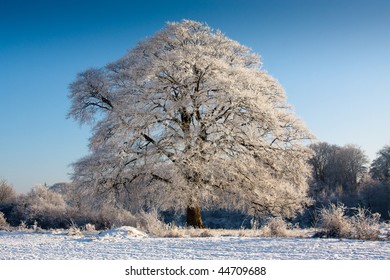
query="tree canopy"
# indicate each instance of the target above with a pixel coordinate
(188, 118)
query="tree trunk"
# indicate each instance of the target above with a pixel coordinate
(194, 218)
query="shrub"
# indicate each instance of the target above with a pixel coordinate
(74, 230)
(365, 224)
(275, 227)
(42, 206)
(89, 227)
(361, 225)
(150, 222)
(109, 217)
(22, 226)
(3, 221)
(334, 222)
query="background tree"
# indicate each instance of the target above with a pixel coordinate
(187, 119)
(323, 159)
(380, 167)
(8, 197)
(351, 167)
(337, 171)
(7, 192)
(376, 192)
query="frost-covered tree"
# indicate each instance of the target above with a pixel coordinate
(188, 118)
(43, 206)
(7, 192)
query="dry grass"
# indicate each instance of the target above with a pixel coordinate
(182, 232)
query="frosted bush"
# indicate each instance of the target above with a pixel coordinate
(3, 221)
(150, 222)
(74, 230)
(334, 222)
(22, 226)
(44, 207)
(275, 227)
(365, 224)
(89, 227)
(362, 225)
(110, 217)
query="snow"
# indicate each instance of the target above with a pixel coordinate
(129, 243)
(120, 233)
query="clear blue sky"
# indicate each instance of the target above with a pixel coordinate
(331, 56)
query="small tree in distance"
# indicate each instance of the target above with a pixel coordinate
(188, 119)
(7, 192)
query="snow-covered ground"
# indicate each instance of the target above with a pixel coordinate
(127, 243)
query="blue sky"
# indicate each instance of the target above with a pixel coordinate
(331, 56)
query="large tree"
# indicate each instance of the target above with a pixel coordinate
(188, 118)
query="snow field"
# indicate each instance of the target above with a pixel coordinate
(127, 243)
